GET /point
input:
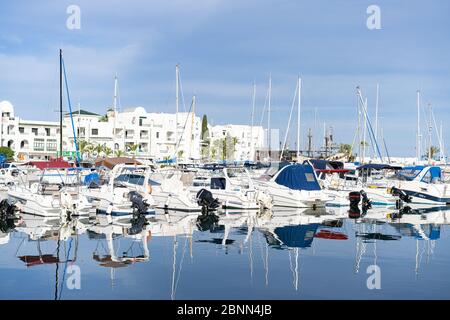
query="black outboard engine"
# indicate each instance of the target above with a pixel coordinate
(355, 198)
(206, 200)
(366, 203)
(138, 203)
(8, 216)
(207, 221)
(137, 224)
(402, 197)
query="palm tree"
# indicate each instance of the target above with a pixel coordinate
(235, 141)
(119, 153)
(345, 149)
(84, 147)
(432, 151)
(98, 149)
(107, 151)
(133, 148)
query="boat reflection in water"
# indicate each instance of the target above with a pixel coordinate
(168, 255)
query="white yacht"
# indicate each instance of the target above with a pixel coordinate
(235, 189)
(294, 186)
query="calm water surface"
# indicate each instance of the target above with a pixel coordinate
(234, 255)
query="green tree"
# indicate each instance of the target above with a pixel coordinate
(205, 142)
(204, 127)
(432, 151)
(107, 151)
(119, 153)
(84, 147)
(98, 149)
(133, 149)
(7, 152)
(180, 153)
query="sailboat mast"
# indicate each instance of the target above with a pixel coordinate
(298, 117)
(252, 146)
(60, 105)
(365, 131)
(376, 112)
(177, 82)
(192, 125)
(418, 128)
(430, 128)
(269, 142)
(115, 104)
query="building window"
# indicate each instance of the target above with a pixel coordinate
(157, 135)
(38, 145)
(144, 134)
(47, 132)
(21, 130)
(94, 132)
(141, 121)
(34, 131)
(52, 145)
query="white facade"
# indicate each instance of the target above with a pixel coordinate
(248, 140)
(154, 133)
(31, 140)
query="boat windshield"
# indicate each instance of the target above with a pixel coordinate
(407, 174)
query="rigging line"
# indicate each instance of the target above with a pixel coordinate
(264, 108)
(181, 90)
(182, 133)
(57, 269)
(366, 117)
(20, 245)
(181, 265)
(65, 267)
(289, 122)
(70, 110)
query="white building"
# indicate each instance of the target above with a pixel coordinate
(153, 133)
(247, 141)
(31, 140)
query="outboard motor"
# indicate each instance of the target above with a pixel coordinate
(354, 212)
(207, 221)
(366, 203)
(355, 198)
(206, 200)
(137, 225)
(402, 197)
(138, 203)
(8, 216)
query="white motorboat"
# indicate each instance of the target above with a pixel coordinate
(294, 186)
(422, 185)
(127, 193)
(49, 196)
(235, 189)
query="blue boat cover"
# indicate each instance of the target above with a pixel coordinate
(435, 172)
(300, 236)
(298, 177)
(92, 177)
(378, 166)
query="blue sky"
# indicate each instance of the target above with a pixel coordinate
(222, 47)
